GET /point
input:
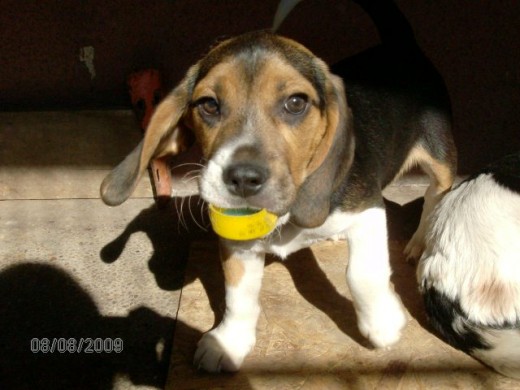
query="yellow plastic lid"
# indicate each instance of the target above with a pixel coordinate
(241, 224)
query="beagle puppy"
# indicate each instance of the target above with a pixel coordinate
(469, 274)
(279, 131)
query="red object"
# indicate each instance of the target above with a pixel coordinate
(146, 92)
(145, 89)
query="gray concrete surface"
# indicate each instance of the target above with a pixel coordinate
(73, 268)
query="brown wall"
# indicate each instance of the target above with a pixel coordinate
(475, 45)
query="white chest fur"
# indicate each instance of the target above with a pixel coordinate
(289, 238)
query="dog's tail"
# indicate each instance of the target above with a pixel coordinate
(392, 26)
(284, 8)
(394, 30)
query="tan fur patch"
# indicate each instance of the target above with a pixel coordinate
(441, 173)
(301, 140)
(494, 298)
(233, 267)
(225, 84)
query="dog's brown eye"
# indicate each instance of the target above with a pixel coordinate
(209, 107)
(296, 104)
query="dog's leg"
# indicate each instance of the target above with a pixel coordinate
(379, 310)
(226, 346)
(441, 179)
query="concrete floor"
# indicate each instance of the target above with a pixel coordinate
(74, 268)
(71, 267)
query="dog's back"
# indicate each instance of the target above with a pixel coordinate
(470, 272)
(395, 82)
(401, 116)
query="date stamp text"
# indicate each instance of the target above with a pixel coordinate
(76, 345)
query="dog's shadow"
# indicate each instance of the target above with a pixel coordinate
(171, 229)
(314, 286)
(402, 222)
(177, 230)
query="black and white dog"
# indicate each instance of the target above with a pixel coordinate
(469, 274)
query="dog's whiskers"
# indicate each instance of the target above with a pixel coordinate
(182, 220)
(202, 202)
(190, 179)
(189, 176)
(198, 165)
(178, 214)
(193, 216)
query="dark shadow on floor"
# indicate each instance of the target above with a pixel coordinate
(313, 285)
(40, 301)
(402, 222)
(171, 231)
(179, 231)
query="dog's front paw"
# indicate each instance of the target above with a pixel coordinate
(223, 351)
(383, 322)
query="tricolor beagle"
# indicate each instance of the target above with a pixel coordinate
(278, 130)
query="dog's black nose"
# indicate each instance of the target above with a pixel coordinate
(245, 179)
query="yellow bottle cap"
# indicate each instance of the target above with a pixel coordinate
(241, 224)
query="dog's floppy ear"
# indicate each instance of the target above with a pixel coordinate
(336, 111)
(333, 155)
(166, 134)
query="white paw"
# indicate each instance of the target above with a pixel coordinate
(383, 323)
(219, 350)
(414, 248)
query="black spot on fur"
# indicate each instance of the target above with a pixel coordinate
(443, 313)
(505, 172)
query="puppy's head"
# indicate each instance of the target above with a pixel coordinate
(265, 112)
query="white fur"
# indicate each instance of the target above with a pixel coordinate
(474, 241)
(379, 310)
(226, 346)
(212, 188)
(504, 354)
(289, 238)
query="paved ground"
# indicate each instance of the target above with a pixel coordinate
(71, 267)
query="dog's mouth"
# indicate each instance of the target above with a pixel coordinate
(245, 206)
(268, 199)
